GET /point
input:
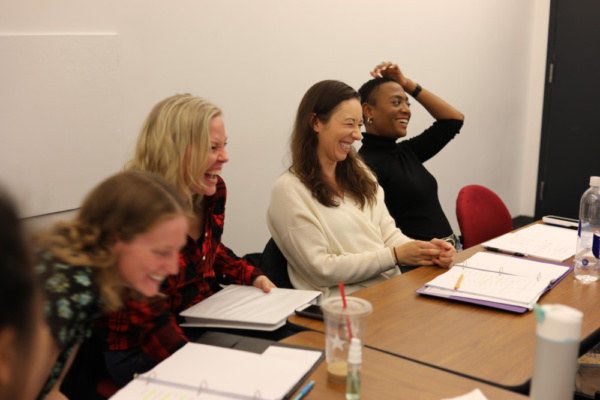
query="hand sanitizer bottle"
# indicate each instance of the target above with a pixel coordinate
(354, 370)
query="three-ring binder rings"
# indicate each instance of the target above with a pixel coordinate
(500, 281)
(203, 372)
(247, 307)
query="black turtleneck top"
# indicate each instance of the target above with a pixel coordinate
(411, 192)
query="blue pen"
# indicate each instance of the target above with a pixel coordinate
(304, 390)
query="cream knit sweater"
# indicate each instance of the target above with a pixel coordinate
(326, 245)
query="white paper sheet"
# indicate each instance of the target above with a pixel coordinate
(198, 371)
(248, 307)
(498, 278)
(539, 240)
(476, 394)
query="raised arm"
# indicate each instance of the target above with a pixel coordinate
(437, 107)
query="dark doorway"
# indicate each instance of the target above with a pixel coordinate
(570, 144)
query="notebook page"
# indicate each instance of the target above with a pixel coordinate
(450, 293)
(539, 240)
(222, 371)
(141, 389)
(238, 303)
(491, 284)
(514, 266)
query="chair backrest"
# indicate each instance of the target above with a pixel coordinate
(274, 265)
(481, 215)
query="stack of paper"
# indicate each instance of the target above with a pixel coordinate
(248, 307)
(493, 278)
(198, 371)
(539, 240)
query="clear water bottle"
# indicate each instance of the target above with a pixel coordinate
(587, 263)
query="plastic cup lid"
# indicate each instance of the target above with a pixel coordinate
(354, 306)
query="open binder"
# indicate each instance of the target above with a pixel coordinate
(247, 307)
(499, 281)
(203, 372)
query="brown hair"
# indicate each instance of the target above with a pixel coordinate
(126, 204)
(174, 142)
(322, 100)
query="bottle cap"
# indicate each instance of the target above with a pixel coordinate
(355, 352)
(558, 323)
(594, 180)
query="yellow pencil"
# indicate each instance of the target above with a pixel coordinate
(458, 281)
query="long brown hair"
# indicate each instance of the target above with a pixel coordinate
(352, 176)
(126, 205)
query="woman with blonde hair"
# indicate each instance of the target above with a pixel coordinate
(124, 241)
(183, 140)
(327, 213)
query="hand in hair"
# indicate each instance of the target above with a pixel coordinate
(264, 283)
(389, 70)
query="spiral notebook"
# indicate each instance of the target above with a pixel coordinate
(203, 372)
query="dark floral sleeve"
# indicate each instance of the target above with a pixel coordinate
(71, 306)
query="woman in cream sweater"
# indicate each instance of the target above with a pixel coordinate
(327, 212)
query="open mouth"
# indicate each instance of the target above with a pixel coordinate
(212, 176)
(156, 278)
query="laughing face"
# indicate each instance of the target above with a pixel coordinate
(216, 158)
(150, 257)
(337, 135)
(390, 112)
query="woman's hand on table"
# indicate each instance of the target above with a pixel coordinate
(418, 252)
(446, 256)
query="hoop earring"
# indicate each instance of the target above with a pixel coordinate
(369, 121)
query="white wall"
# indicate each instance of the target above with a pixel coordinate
(255, 59)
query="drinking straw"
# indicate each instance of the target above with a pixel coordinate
(341, 284)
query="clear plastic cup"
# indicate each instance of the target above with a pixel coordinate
(339, 322)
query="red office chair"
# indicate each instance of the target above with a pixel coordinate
(481, 215)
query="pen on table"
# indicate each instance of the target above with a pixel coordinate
(459, 281)
(304, 390)
(505, 252)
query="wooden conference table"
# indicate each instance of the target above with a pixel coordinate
(486, 344)
(386, 376)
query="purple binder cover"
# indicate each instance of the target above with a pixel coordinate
(501, 306)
